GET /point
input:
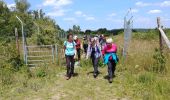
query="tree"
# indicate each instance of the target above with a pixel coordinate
(76, 29)
(4, 17)
(41, 13)
(22, 5)
(88, 31)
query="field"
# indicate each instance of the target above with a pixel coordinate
(139, 77)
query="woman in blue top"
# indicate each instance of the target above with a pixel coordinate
(70, 52)
(95, 53)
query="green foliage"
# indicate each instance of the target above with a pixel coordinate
(76, 29)
(6, 76)
(22, 5)
(160, 62)
(146, 78)
(162, 87)
(41, 72)
(151, 34)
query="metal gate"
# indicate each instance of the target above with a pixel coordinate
(36, 55)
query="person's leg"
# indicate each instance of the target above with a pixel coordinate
(86, 46)
(96, 60)
(72, 65)
(113, 68)
(110, 73)
(78, 54)
(68, 66)
(95, 66)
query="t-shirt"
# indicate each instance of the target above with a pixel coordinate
(70, 48)
(108, 49)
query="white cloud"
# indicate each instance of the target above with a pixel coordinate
(165, 4)
(57, 3)
(142, 4)
(154, 11)
(58, 7)
(160, 4)
(89, 18)
(57, 13)
(134, 10)
(78, 13)
(86, 17)
(11, 6)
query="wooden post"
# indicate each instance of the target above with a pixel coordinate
(160, 37)
(17, 41)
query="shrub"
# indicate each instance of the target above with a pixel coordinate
(160, 61)
(151, 34)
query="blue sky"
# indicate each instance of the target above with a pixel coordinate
(94, 14)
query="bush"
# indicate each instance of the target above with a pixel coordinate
(160, 61)
(151, 34)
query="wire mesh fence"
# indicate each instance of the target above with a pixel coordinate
(128, 24)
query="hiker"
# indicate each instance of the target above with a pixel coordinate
(102, 41)
(70, 52)
(110, 58)
(78, 46)
(95, 53)
(85, 44)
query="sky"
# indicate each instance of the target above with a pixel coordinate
(95, 14)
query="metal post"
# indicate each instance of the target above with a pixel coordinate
(23, 37)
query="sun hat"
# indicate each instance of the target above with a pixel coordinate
(75, 37)
(109, 40)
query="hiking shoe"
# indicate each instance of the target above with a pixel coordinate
(95, 75)
(68, 77)
(110, 80)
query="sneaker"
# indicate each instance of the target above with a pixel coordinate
(95, 75)
(110, 80)
(68, 77)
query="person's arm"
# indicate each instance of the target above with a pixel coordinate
(75, 51)
(64, 45)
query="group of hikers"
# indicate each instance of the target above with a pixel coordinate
(95, 47)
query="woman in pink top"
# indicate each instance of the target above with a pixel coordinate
(110, 58)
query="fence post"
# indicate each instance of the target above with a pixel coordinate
(160, 37)
(17, 41)
(26, 55)
(52, 52)
(56, 53)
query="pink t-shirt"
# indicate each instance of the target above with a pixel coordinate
(108, 49)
